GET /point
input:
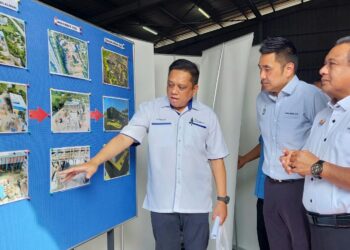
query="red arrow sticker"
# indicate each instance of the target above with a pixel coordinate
(96, 115)
(38, 114)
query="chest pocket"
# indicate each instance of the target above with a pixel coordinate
(195, 135)
(161, 133)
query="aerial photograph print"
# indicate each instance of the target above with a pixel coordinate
(70, 111)
(13, 108)
(13, 176)
(12, 42)
(115, 68)
(68, 55)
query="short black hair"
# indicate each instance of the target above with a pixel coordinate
(186, 65)
(284, 49)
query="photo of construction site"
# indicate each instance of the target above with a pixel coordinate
(118, 166)
(115, 113)
(13, 176)
(70, 111)
(65, 158)
(13, 108)
(12, 42)
(115, 68)
(68, 55)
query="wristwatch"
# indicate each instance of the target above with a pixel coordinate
(225, 199)
(316, 169)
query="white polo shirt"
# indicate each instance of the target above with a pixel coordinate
(180, 145)
(285, 122)
(330, 141)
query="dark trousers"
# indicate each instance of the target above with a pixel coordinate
(328, 238)
(285, 216)
(171, 229)
(260, 226)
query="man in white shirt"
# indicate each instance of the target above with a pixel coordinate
(286, 108)
(325, 160)
(186, 147)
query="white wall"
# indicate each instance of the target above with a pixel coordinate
(245, 198)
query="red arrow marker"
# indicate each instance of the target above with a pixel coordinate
(38, 114)
(96, 115)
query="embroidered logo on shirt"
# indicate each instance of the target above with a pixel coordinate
(291, 113)
(197, 123)
(322, 121)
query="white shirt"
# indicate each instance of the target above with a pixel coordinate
(285, 122)
(180, 145)
(330, 141)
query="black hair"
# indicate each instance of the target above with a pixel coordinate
(188, 66)
(284, 49)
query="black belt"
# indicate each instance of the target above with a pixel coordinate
(283, 181)
(329, 220)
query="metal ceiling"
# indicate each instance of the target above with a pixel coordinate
(172, 20)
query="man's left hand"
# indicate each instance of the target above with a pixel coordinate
(221, 211)
(301, 161)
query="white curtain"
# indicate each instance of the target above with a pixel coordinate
(222, 86)
(245, 198)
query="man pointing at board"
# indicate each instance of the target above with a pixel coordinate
(186, 147)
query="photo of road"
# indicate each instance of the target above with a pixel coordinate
(115, 113)
(118, 166)
(12, 42)
(13, 176)
(65, 158)
(68, 55)
(13, 108)
(115, 68)
(70, 111)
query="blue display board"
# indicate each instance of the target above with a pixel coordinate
(61, 220)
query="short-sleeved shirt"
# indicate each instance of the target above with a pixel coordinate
(260, 176)
(180, 147)
(285, 121)
(330, 141)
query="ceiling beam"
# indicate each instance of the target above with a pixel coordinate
(178, 20)
(123, 11)
(272, 5)
(253, 7)
(239, 8)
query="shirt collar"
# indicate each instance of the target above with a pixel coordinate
(288, 89)
(343, 104)
(291, 86)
